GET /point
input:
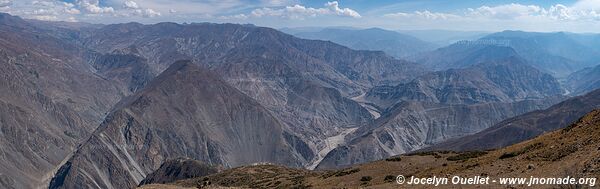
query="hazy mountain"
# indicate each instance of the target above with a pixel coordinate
(51, 100)
(462, 55)
(526, 126)
(390, 42)
(500, 80)
(562, 153)
(185, 111)
(583, 81)
(445, 37)
(557, 53)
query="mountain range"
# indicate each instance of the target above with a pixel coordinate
(119, 105)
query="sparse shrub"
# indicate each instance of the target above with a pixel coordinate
(366, 178)
(466, 155)
(346, 172)
(389, 178)
(394, 159)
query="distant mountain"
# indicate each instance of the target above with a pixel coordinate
(561, 153)
(557, 53)
(526, 126)
(445, 37)
(501, 80)
(444, 105)
(391, 42)
(185, 111)
(51, 100)
(583, 81)
(462, 55)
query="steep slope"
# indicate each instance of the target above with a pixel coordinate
(570, 152)
(376, 39)
(178, 169)
(410, 126)
(306, 84)
(50, 101)
(557, 53)
(337, 66)
(445, 105)
(583, 81)
(526, 126)
(501, 80)
(186, 111)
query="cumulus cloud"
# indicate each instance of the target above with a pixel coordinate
(93, 7)
(136, 10)
(298, 12)
(131, 5)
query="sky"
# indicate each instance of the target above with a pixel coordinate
(581, 16)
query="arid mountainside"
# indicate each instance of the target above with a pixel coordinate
(571, 151)
(496, 80)
(393, 43)
(443, 105)
(526, 126)
(50, 102)
(583, 81)
(185, 111)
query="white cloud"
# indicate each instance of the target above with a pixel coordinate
(5, 3)
(93, 7)
(133, 9)
(131, 5)
(583, 10)
(334, 6)
(423, 15)
(298, 12)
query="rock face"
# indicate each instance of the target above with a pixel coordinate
(185, 111)
(50, 101)
(376, 39)
(526, 126)
(445, 105)
(583, 81)
(178, 169)
(410, 126)
(501, 80)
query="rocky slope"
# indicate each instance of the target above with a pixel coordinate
(50, 101)
(526, 126)
(179, 169)
(186, 111)
(376, 39)
(501, 80)
(572, 151)
(445, 105)
(583, 81)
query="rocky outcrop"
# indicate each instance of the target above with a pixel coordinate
(178, 169)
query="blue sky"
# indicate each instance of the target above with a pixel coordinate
(473, 15)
